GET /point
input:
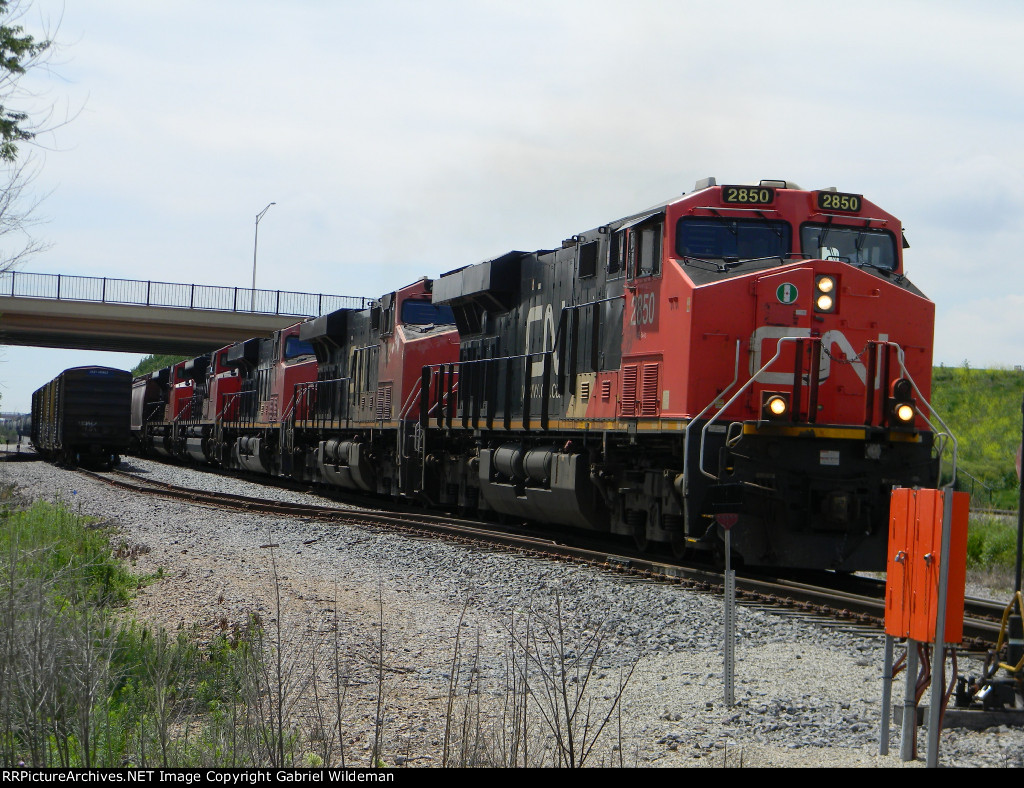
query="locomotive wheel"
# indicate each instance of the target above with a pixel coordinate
(680, 547)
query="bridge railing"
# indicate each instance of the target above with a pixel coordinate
(62, 287)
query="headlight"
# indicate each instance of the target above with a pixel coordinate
(774, 405)
(825, 288)
(902, 408)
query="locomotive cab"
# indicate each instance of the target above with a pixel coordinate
(355, 432)
(273, 372)
(414, 331)
(794, 423)
(223, 381)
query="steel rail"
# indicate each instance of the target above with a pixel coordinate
(981, 620)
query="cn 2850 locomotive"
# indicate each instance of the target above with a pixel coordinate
(742, 354)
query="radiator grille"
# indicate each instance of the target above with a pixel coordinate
(649, 391)
(629, 379)
(383, 410)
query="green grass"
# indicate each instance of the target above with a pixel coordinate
(102, 691)
(50, 543)
(983, 409)
(991, 544)
(991, 553)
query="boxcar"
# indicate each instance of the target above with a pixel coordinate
(82, 416)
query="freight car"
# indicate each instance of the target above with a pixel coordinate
(746, 357)
(81, 417)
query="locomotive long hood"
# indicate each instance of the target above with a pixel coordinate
(495, 283)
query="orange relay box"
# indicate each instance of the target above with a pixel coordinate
(915, 562)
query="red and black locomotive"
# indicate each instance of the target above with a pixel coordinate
(742, 356)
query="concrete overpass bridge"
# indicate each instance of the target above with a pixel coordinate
(92, 313)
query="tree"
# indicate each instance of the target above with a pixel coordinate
(20, 53)
(153, 363)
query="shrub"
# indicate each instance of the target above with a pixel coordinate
(991, 544)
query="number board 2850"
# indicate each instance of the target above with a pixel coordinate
(747, 195)
(839, 201)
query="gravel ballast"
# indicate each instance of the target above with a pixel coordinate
(806, 695)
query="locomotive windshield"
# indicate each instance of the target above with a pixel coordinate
(731, 239)
(295, 347)
(424, 313)
(855, 245)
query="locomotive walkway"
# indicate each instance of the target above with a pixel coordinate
(92, 313)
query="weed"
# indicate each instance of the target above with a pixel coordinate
(991, 545)
(79, 687)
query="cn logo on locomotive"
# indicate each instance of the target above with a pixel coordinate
(543, 314)
(829, 340)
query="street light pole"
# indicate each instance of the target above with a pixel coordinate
(255, 240)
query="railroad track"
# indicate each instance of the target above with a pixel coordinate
(860, 605)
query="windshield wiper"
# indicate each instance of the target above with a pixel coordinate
(733, 263)
(726, 263)
(719, 266)
(880, 268)
(823, 237)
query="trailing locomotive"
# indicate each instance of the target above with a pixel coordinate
(335, 399)
(749, 357)
(81, 417)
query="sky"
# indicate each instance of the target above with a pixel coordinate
(404, 139)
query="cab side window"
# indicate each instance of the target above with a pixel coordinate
(650, 249)
(643, 250)
(617, 254)
(587, 260)
(387, 315)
